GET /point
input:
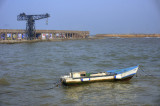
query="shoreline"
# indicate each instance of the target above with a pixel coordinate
(128, 35)
(98, 36)
(39, 40)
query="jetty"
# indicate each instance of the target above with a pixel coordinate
(20, 36)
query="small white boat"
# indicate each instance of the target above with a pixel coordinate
(113, 75)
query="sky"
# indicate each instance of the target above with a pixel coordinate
(96, 16)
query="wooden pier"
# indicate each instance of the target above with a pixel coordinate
(14, 35)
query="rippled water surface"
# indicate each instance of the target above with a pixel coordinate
(29, 72)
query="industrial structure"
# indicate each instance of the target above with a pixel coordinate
(15, 34)
(30, 25)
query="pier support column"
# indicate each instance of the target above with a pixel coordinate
(67, 35)
(82, 35)
(21, 36)
(54, 35)
(77, 35)
(0, 35)
(60, 35)
(63, 35)
(5, 35)
(16, 36)
(11, 36)
(72, 35)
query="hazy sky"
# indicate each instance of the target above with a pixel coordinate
(96, 16)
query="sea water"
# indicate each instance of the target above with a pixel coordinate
(29, 72)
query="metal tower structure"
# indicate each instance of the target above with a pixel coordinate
(30, 25)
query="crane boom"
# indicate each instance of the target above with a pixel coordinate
(30, 25)
(23, 16)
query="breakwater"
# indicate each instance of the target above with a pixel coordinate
(20, 36)
(128, 35)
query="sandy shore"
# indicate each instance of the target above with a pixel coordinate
(127, 35)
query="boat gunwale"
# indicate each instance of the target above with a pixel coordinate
(121, 71)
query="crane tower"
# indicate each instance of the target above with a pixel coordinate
(30, 25)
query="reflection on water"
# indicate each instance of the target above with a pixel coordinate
(110, 92)
(29, 72)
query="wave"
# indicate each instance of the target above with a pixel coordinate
(4, 82)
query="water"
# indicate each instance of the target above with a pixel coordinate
(29, 72)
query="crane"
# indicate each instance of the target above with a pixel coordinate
(30, 25)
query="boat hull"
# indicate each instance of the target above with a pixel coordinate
(87, 80)
(114, 75)
(92, 81)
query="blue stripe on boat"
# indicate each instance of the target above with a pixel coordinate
(119, 71)
(83, 80)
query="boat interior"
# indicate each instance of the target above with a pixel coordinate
(84, 74)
